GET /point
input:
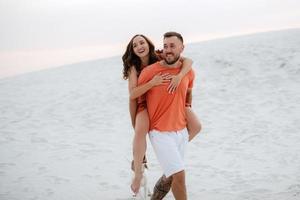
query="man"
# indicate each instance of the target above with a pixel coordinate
(168, 133)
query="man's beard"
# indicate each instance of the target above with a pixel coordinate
(172, 61)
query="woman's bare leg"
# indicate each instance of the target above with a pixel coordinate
(139, 147)
(193, 123)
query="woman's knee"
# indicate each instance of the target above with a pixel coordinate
(198, 127)
(194, 128)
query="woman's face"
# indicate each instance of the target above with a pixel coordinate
(140, 46)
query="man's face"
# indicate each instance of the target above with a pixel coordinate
(172, 49)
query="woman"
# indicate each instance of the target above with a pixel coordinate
(140, 52)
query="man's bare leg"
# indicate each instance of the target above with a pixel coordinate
(178, 186)
(161, 188)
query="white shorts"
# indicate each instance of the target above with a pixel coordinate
(169, 148)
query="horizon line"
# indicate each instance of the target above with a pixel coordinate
(113, 53)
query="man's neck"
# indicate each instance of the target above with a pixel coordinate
(175, 65)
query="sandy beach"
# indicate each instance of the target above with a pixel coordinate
(65, 133)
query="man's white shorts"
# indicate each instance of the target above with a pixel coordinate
(169, 148)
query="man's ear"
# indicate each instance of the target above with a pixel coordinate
(182, 48)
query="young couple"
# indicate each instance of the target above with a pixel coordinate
(160, 86)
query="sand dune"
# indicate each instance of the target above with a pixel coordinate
(66, 134)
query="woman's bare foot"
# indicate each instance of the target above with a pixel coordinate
(136, 182)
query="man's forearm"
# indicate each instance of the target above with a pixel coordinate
(188, 100)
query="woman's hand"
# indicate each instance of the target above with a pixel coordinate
(160, 79)
(175, 81)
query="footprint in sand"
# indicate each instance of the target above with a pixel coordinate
(3, 165)
(25, 189)
(20, 179)
(49, 192)
(123, 174)
(296, 189)
(89, 176)
(37, 140)
(42, 170)
(59, 180)
(103, 186)
(5, 195)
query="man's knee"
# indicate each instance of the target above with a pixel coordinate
(179, 178)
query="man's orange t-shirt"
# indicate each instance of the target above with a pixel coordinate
(166, 111)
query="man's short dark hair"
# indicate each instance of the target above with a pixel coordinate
(172, 33)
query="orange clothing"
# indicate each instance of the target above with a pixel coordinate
(141, 106)
(166, 111)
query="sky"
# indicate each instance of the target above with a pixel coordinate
(38, 34)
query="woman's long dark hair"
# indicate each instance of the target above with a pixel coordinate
(130, 59)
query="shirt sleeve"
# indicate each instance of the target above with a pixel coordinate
(143, 78)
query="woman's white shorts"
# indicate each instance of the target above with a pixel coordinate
(170, 148)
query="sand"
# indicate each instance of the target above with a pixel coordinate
(65, 133)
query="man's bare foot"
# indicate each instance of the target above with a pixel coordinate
(136, 183)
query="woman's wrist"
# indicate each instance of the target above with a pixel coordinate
(151, 83)
(180, 75)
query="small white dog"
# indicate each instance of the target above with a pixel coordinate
(144, 192)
